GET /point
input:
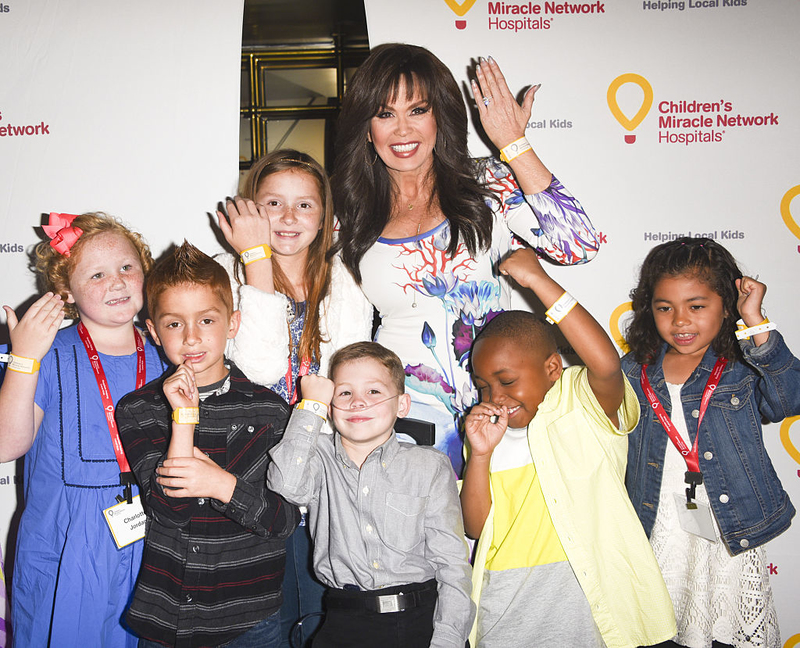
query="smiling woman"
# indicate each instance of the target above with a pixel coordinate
(423, 225)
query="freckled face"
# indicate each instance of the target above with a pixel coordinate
(106, 282)
(404, 133)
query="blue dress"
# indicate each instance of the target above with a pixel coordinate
(71, 584)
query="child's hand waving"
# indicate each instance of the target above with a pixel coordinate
(246, 226)
(33, 335)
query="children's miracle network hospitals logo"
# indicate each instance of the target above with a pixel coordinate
(630, 123)
(460, 10)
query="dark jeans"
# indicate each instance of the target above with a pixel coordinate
(266, 634)
(302, 593)
(411, 628)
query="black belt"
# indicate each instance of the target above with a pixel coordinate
(384, 603)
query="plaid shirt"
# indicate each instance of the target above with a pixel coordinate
(210, 571)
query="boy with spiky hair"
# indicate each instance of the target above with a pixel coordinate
(198, 440)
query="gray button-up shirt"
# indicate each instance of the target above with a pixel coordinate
(396, 520)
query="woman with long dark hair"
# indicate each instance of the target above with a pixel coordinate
(422, 225)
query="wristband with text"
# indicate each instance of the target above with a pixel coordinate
(256, 254)
(745, 333)
(561, 308)
(515, 149)
(315, 407)
(20, 364)
(186, 415)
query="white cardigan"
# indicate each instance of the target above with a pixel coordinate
(261, 348)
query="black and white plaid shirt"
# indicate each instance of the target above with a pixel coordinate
(210, 571)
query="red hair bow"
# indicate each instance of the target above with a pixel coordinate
(61, 232)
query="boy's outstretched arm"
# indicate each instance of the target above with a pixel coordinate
(31, 337)
(582, 331)
(483, 437)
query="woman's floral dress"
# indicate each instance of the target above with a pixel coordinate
(432, 304)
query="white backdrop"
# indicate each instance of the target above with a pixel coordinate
(126, 107)
(709, 90)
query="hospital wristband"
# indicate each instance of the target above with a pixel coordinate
(186, 415)
(256, 254)
(745, 333)
(20, 364)
(515, 149)
(561, 308)
(315, 407)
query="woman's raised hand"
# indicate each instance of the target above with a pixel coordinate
(246, 226)
(503, 119)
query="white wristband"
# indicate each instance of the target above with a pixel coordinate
(747, 333)
(561, 308)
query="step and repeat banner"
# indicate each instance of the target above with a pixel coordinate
(127, 108)
(666, 118)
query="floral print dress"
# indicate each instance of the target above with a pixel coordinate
(433, 304)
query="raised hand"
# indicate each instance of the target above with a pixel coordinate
(246, 226)
(317, 388)
(180, 389)
(484, 434)
(751, 296)
(524, 267)
(503, 119)
(33, 335)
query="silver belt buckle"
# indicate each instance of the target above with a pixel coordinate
(390, 603)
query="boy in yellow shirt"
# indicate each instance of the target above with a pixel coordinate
(562, 559)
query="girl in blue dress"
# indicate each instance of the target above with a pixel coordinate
(71, 582)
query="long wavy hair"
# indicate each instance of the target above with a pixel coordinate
(363, 189)
(317, 275)
(700, 258)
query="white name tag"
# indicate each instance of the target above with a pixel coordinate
(126, 521)
(698, 521)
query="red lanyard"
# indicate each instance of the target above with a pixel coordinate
(291, 385)
(126, 477)
(691, 456)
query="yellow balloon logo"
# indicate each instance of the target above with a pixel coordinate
(792, 641)
(647, 102)
(460, 10)
(786, 213)
(613, 326)
(786, 440)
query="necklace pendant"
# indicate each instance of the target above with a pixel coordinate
(414, 305)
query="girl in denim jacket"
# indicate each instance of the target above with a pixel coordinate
(698, 472)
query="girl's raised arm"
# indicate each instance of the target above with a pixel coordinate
(31, 338)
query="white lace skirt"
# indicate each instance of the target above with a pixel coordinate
(716, 596)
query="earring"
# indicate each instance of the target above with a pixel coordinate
(375, 159)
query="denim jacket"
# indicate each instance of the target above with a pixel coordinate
(747, 498)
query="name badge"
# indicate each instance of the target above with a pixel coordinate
(126, 521)
(698, 521)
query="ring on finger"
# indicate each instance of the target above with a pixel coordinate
(487, 101)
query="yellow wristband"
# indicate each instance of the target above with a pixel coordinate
(561, 308)
(744, 332)
(186, 415)
(515, 149)
(315, 407)
(256, 254)
(20, 364)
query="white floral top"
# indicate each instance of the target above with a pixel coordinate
(432, 305)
